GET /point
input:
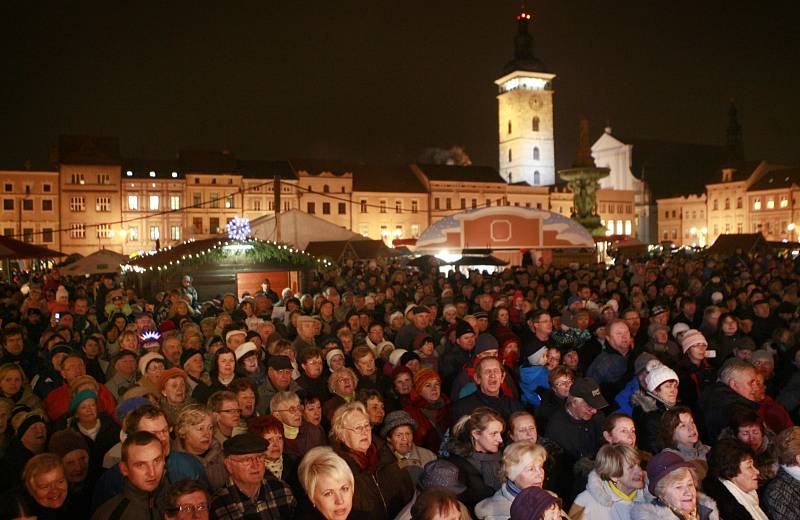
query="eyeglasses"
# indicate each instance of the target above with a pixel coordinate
(343, 380)
(563, 383)
(252, 459)
(189, 508)
(364, 428)
(292, 409)
(237, 411)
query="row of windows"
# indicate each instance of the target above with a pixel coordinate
(153, 202)
(79, 178)
(382, 206)
(311, 208)
(46, 234)
(534, 124)
(131, 234)
(255, 205)
(8, 187)
(620, 208)
(27, 205)
(535, 154)
(694, 214)
(783, 202)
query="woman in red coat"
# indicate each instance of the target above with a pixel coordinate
(430, 409)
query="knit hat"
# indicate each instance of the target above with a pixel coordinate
(166, 375)
(83, 381)
(691, 338)
(395, 315)
(187, 354)
(422, 376)
(408, 357)
(396, 355)
(166, 326)
(463, 327)
(659, 375)
(531, 503)
(441, 473)
(655, 327)
(401, 369)
(484, 343)
(22, 421)
(679, 329)
(244, 349)
(662, 465)
(645, 362)
(129, 405)
(145, 360)
(395, 419)
(331, 354)
(79, 398)
(234, 332)
(66, 441)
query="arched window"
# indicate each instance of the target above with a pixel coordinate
(326, 188)
(509, 126)
(727, 203)
(536, 177)
(535, 153)
(535, 124)
(509, 155)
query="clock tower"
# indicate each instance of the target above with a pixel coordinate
(525, 114)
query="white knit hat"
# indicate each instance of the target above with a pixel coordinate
(146, 359)
(394, 357)
(678, 329)
(659, 375)
(245, 348)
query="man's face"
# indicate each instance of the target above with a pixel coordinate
(619, 337)
(280, 378)
(745, 384)
(421, 320)
(246, 469)
(228, 414)
(172, 350)
(366, 365)
(490, 376)
(582, 410)
(466, 341)
(14, 344)
(72, 368)
(376, 334)
(81, 307)
(145, 466)
(290, 412)
(543, 325)
(159, 427)
(633, 321)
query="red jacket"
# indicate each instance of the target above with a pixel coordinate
(426, 435)
(774, 415)
(56, 403)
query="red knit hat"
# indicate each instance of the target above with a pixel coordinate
(401, 369)
(422, 376)
(166, 375)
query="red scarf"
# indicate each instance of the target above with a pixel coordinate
(368, 460)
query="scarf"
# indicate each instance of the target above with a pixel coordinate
(793, 471)
(512, 487)
(747, 500)
(368, 460)
(488, 465)
(620, 494)
(275, 467)
(290, 432)
(91, 432)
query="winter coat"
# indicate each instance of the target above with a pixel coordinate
(549, 405)
(501, 404)
(782, 497)
(657, 510)
(267, 391)
(431, 423)
(133, 504)
(211, 461)
(729, 508)
(470, 476)
(105, 439)
(623, 398)
(497, 506)
(530, 379)
(647, 412)
(599, 502)
(693, 380)
(718, 403)
(308, 437)
(577, 438)
(383, 494)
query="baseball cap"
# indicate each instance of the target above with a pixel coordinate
(587, 389)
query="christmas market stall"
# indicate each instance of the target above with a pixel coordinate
(236, 264)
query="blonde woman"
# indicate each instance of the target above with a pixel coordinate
(523, 467)
(14, 386)
(329, 485)
(342, 385)
(194, 434)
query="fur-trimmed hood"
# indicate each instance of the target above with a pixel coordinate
(641, 399)
(655, 510)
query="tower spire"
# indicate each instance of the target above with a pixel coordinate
(524, 57)
(734, 144)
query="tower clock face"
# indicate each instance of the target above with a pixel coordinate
(535, 102)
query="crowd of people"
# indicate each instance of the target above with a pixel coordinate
(667, 387)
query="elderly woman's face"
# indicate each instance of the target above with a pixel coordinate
(337, 362)
(289, 412)
(198, 437)
(344, 384)
(175, 390)
(532, 475)
(49, 489)
(632, 476)
(375, 410)
(333, 497)
(312, 412)
(403, 384)
(357, 432)
(682, 495)
(747, 479)
(86, 412)
(76, 465)
(401, 439)
(275, 449)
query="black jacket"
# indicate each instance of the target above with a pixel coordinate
(577, 438)
(717, 404)
(729, 508)
(502, 404)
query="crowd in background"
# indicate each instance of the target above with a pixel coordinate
(666, 387)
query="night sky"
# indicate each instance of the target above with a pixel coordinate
(380, 81)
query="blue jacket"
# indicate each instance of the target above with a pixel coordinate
(623, 399)
(178, 467)
(531, 378)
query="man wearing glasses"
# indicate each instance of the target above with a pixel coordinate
(226, 412)
(536, 337)
(251, 492)
(186, 499)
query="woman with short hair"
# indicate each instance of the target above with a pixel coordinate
(748, 427)
(523, 467)
(222, 375)
(329, 485)
(277, 461)
(733, 481)
(679, 435)
(673, 483)
(342, 385)
(14, 386)
(782, 495)
(45, 487)
(614, 485)
(194, 434)
(382, 488)
(475, 449)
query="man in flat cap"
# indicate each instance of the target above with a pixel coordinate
(279, 379)
(251, 492)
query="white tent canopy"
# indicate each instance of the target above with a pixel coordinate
(102, 261)
(299, 228)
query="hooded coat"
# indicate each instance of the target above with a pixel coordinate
(657, 510)
(599, 502)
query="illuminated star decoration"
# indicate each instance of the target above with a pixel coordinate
(238, 228)
(150, 337)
